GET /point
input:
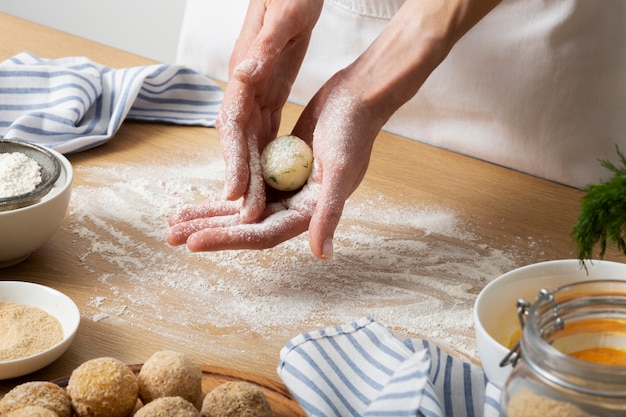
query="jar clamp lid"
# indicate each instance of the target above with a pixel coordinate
(569, 319)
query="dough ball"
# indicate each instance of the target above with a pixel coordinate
(37, 393)
(103, 387)
(31, 411)
(236, 399)
(170, 374)
(287, 162)
(168, 407)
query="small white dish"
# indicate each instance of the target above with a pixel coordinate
(495, 310)
(25, 229)
(51, 301)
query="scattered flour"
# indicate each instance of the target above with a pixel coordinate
(19, 174)
(99, 316)
(414, 269)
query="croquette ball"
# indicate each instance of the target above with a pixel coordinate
(103, 387)
(236, 399)
(37, 393)
(168, 407)
(170, 374)
(31, 411)
(286, 163)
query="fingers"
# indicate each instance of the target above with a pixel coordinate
(179, 233)
(342, 151)
(232, 123)
(226, 231)
(213, 213)
(264, 64)
(325, 218)
(276, 228)
(212, 208)
(253, 203)
(285, 23)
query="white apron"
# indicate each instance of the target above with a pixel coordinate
(537, 86)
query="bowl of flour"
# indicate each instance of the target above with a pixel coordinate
(27, 173)
(35, 190)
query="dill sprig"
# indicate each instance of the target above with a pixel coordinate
(602, 217)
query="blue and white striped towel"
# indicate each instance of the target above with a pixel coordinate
(72, 104)
(362, 369)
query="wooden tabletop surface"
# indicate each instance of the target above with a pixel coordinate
(423, 234)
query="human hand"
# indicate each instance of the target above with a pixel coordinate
(341, 122)
(342, 131)
(263, 66)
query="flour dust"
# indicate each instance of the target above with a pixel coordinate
(414, 269)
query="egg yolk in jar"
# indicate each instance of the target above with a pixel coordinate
(602, 355)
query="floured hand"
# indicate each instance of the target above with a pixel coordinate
(342, 127)
(341, 150)
(263, 66)
(341, 121)
(217, 224)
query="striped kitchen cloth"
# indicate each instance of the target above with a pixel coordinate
(362, 369)
(72, 104)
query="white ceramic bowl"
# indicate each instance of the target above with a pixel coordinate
(495, 311)
(53, 302)
(26, 229)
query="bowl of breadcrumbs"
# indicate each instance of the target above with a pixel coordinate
(38, 325)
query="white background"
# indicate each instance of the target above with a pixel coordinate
(146, 27)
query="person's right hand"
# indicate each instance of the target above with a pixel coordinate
(264, 64)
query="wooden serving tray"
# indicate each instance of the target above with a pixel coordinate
(281, 401)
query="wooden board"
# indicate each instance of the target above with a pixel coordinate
(281, 401)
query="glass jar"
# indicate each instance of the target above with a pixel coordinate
(572, 353)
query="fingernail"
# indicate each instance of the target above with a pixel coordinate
(246, 68)
(327, 249)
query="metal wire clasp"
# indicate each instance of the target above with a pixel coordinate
(514, 354)
(523, 307)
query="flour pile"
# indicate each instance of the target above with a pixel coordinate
(19, 174)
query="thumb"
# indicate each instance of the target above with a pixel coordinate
(326, 217)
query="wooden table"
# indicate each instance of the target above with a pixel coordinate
(501, 219)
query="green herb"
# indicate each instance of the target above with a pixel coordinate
(602, 216)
